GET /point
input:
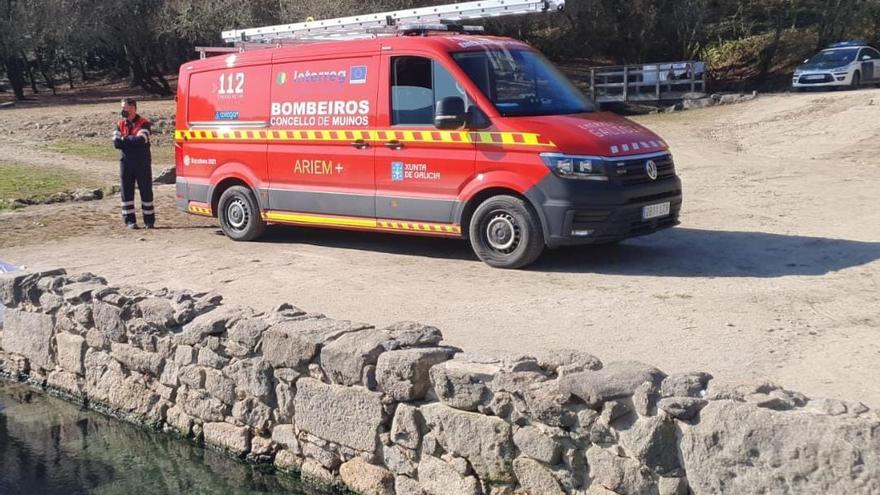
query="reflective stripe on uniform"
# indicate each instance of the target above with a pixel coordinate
(149, 211)
(127, 203)
(345, 135)
(126, 211)
(146, 204)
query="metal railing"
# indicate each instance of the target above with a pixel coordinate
(668, 81)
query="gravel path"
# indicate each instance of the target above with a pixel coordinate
(774, 273)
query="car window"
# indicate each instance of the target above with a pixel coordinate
(417, 84)
(875, 55)
(839, 56)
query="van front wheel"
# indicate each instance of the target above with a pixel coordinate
(239, 214)
(505, 233)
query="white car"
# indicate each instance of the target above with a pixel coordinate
(851, 64)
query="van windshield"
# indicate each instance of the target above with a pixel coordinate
(522, 83)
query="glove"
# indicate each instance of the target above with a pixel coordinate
(117, 135)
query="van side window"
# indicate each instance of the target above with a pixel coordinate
(417, 84)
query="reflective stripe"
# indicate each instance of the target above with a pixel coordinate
(146, 205)
(200, 209)
(149, 211)
(361, 223)
(128, 203)
(128, 212)
(405, 136)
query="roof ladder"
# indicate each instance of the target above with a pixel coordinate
(399, 21)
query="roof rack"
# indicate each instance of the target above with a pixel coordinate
(400, 22)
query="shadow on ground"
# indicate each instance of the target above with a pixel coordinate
(680, 252)
(711, 253)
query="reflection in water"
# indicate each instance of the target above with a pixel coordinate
(49, 447)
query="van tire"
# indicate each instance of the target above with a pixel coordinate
(239, 214)
(505, 232)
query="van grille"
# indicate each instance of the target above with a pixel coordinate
(632, 172)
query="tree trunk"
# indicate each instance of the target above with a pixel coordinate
(69, 67)
(30, 73)
(769, 53)
(166, 88)
(84, 75)
(50, 81)
(14, 73)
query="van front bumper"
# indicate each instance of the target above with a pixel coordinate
(575, 212)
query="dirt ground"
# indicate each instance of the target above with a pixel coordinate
(774, 273)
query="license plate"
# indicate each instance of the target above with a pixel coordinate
(655, 211)
(814, 78)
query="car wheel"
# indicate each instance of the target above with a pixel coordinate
(239, 214)
(505, 232)
(856, 80)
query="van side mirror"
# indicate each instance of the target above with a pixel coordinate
(450, 113)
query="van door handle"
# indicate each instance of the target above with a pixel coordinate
(360, 144)
(395, 145)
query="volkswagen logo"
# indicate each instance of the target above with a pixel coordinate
(651, 169)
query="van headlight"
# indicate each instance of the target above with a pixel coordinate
(576, 167)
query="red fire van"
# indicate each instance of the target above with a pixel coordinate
(451, 135)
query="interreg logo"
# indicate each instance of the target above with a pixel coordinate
(358, 74)
(397, 171)
(319, 77)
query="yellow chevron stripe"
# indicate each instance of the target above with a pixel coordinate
(320, 220)
(199, 210)
(323, 135)
(364, 223)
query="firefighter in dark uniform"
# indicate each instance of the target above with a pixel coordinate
(132, 139)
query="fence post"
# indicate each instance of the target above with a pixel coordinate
(593, 84)
(657, 77)
(625, 84)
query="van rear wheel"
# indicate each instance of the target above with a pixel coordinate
(505, 233)
(239, 214)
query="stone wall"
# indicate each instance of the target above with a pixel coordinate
(394, 410)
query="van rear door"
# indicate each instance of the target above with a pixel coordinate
(225, 109)
(320, 157)
(420, 170)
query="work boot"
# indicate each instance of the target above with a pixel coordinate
(149, 226)
(132, 226)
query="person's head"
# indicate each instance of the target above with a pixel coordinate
(129, 108)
